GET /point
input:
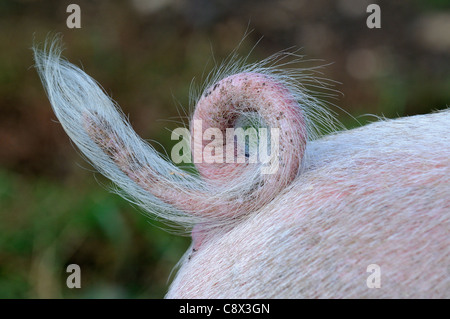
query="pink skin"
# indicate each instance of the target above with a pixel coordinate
(219, 107)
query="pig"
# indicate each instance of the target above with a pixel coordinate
(378, 195)
(360, 213)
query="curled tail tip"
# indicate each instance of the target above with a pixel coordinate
(222, 193)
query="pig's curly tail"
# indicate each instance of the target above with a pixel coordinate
(266, 94)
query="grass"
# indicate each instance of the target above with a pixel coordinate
(45, 226)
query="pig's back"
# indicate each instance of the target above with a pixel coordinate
(375, 195)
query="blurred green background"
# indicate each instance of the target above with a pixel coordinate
(55, 210)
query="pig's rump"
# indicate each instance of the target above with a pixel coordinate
(374, 195)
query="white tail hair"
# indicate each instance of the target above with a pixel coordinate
(282, 96)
